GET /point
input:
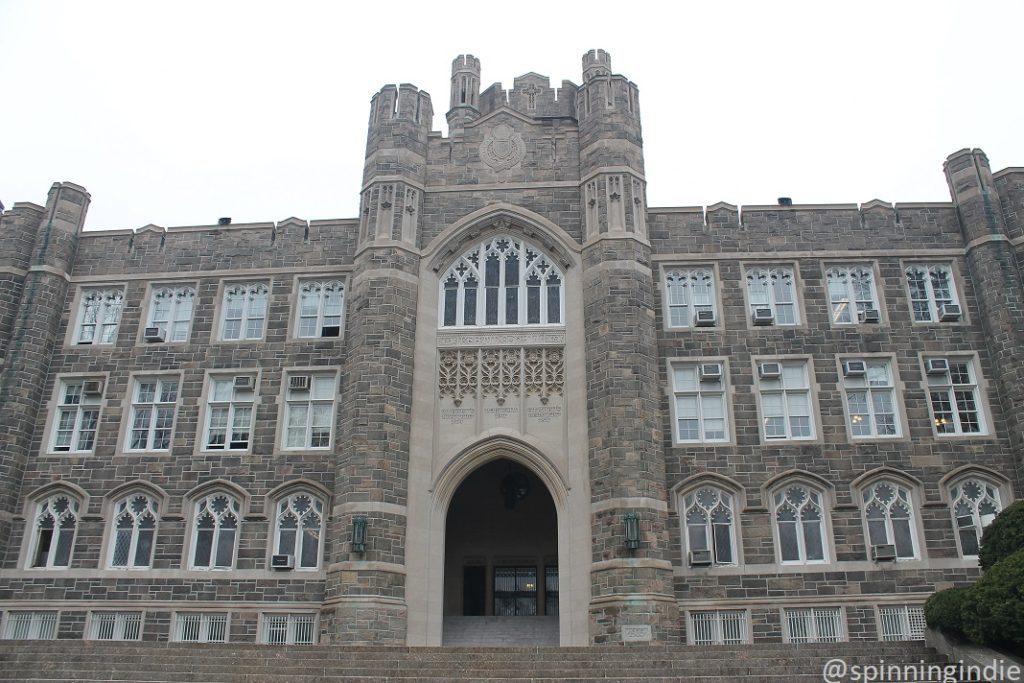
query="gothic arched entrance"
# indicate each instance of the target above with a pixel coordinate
(501, 559)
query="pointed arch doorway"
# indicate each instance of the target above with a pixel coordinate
(501, 578)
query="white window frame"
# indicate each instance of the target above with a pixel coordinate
(207, 507)
(123, 626)
(682, 298)
(699, 497)
(31, 625)
(249, 314)
(930, 300)
(870, 385)
(704, 393)
(901, 492)
(900, 622)
(124, 508)
(46, 508)
(779, 387)
(813, 625)
(293, 624)
(770, 273)
(157, 406)
(320, 290)
(951, 388)
(176, 325)
(822, 506)
(725, 627)
(206, 625)
(472, 263)
(288, 505)
(989, 491)
(239, 399)
(69, 400)
(105, 321)
(853, 302)
(309, 401)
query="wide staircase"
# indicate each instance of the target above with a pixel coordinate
(91, 662)
(509, 631)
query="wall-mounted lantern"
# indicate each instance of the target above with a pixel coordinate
(632, 530)
(359, 534)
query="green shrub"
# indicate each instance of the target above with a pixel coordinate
(993, 608)
(943, 610)
(1003, 537)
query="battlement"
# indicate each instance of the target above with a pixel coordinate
(405, 102)
(596, 63)
(466, 63)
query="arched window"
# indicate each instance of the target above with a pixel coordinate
(299, 529)
(244, 314)
(99, 315)
(851, 292)
(773, 288)
(320, 309)
(889, 512)
(688, 292)
(974, 503)
(54, 533)
(171, 312)
(708, 516)
(800, 522)
(132, 538)
(502, 281)
(215, 532)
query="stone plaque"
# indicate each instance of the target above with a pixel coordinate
(457, 416)
(637, 634)
(544, 413)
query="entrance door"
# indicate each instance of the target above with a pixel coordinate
(515, 591)
(474, 591)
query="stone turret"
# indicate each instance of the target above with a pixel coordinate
(465, 99)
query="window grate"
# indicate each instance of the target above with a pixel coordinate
(116, 626)
(902, 622)
(814, 625)
(31, 626)
(719, 627)
(195, 627)
(289, 629)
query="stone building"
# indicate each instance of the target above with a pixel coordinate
(509, 400)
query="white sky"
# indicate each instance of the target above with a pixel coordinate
(177, 113)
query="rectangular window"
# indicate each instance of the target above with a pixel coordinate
(152, 415)
(851, 292)
(289, 629)
(170, 312)
(814, 625)
(309, 410)
(78, 416)
(700, 402)
(773, 288)
(99, 316)
(718, 627)
(116, 626)
(932, 291)
(901, 622)
(690, 297)
(320, 308)
(244, 311)
(229, 413)
(31, 626)
(786, 408)
(870, 398)
(199, 627)
(954, 398)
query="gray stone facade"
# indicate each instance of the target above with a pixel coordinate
(588, 400)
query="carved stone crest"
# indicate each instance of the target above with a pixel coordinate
(503, 148)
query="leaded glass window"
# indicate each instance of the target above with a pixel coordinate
(709, 521)
(974, 503)
(299, 529)
(889, 511)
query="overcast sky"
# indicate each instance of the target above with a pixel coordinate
(179, 113)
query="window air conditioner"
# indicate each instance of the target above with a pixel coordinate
(936, 366)
(950, 313)
(854, 368)
(282, 562)
(869, 315)
(93, 387)
(770, 370)
(883, 553)
(700, 558)
(298, 383)
(153, 335)
(764, 316)
(704, 318)
(710, 372)
(244, 382)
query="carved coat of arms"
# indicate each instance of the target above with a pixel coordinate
(503, 148)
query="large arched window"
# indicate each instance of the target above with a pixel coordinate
(889, 512)
(502, 281)
(709, 520)
(800, 522)
(134, 533)
(299, 529)
(54, 533)
(215, 532)
(975, 503)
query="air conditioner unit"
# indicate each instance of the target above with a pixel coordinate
(298, 383)
(770, 370)
(883, 553)
(869, 315)
(282, 562)
(854, 368)
(763, 316)
(700, 558)
(710, 372)
(330, 331)
(93, 387)
(153, 334)
(704, 318)
(244, 382)
(936, 366)
(950, 313)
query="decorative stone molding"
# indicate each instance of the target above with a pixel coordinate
(503, 148)
(502, 338)
(501, 373)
